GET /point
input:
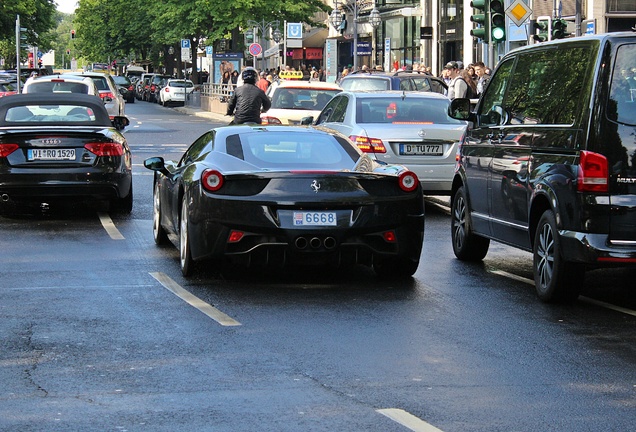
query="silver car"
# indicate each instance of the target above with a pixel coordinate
(108, 91)
(407, 128)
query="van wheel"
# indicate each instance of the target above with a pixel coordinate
(555, 279)
(467, 246)
(185, 257)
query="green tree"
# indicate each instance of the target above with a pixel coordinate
(37, 16)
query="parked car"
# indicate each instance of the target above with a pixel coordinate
(60, 84)
(293, 100)
(400, 80)
(411, 129)
(108, 91)
(175, 91)
(271, 195)
(55, 146)
(126, 88)
(7, 88)
(549, 165)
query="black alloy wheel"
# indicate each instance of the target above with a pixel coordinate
(158, 232)
(467, 246)
(185, 257)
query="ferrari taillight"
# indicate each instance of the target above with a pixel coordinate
(368, 145)
(593, 173)
(107, 148)
(7, 149)
(408, 181)
(212, 180)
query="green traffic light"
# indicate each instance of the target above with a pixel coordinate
(482, 31)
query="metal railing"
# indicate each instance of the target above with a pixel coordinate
(217, 91)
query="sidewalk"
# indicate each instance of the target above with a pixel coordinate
(198, 112)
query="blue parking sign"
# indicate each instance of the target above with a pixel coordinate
(185, 43)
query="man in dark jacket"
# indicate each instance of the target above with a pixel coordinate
(248, 101)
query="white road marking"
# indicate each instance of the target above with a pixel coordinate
(110, 227)
(582, 298)
(193, 300)
(408, 420)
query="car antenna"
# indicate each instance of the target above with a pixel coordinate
(403, 94)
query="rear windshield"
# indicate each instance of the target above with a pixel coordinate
(365, 83)
(280, 150)
(49, 114)
(100, 83)
(57, 87)
(302, 98)
(622, 100)
(181, 84)
(397, 110)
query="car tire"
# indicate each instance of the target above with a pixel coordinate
(158, 232)
(467, 246)
(556, 280)
(131, 100)
(185, 256)
(125, 204)
(394, 268)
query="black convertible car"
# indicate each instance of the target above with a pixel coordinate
(62, 146)
(281, 195)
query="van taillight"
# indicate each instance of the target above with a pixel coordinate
(593, 172)
(368, 145)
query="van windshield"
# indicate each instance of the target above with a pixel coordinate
(621, 105)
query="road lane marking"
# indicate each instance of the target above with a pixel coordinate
(193, 300)
(582, 298)
(408, 420)
(110, 227)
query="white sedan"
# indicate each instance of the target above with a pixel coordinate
(175, 91)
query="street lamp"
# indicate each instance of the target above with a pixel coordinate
(263, 26)
(375, 19)
(353, 6)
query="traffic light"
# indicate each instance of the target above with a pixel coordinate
(249, 36)
(543, 29)
(72, 34)
(497, 21)
(479, 18)
(559, 28)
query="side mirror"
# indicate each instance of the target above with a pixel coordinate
(157, 164)
(307, 120)
(460, 109)
(120, 122)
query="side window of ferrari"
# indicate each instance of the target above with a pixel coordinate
(197, 148)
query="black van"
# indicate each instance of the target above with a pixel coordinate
(549, 162)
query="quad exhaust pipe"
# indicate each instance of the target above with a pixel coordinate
(5, 197)
(315, 243)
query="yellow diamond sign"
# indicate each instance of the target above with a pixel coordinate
(518, 12)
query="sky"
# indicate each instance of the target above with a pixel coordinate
(66, 6)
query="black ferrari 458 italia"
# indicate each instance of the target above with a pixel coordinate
(62, 146)
(287, 195)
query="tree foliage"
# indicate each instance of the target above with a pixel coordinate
(39, 17)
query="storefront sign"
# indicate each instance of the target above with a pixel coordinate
(364, 48)
(313, 53)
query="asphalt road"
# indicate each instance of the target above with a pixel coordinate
(99, 331)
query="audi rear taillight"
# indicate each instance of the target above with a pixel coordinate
(408, 181)
(368, 145)
(593, 172)
(212, 180)
(107, 148)
(270, 120)
(7, 149)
